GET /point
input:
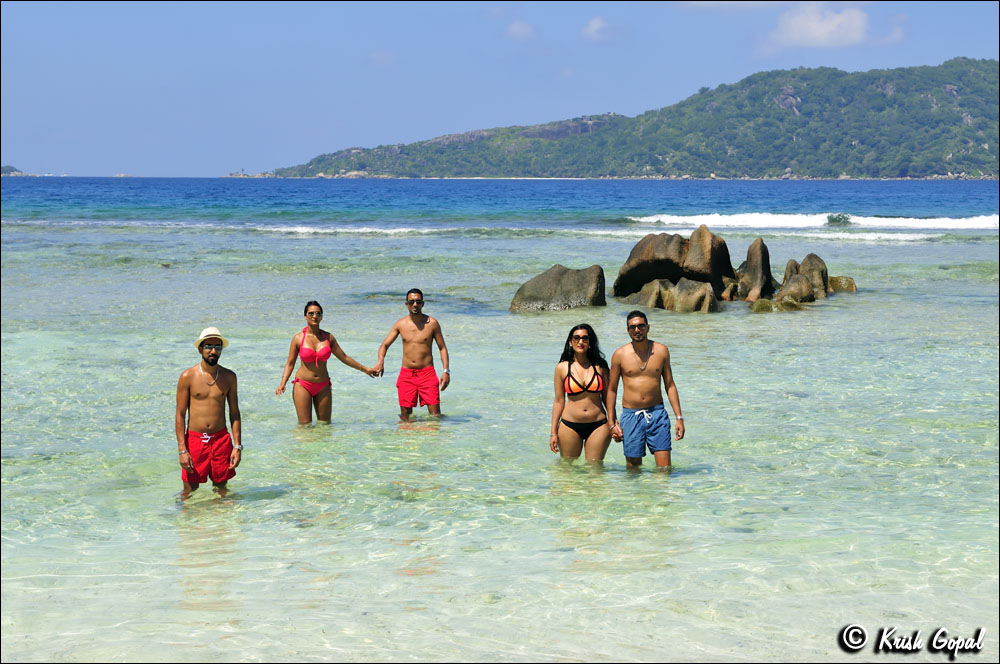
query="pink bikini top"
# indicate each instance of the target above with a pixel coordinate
(313, 356)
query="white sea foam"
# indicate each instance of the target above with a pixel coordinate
(769, 220)
(860, 237)
(867, 237)
(344, 230)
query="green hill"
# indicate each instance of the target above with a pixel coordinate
(823, 123)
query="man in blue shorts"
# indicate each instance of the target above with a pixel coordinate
(641, 365)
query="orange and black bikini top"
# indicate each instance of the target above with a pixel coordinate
(573, 386)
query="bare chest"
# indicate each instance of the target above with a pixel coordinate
(417, 335)
(636, 370)
(204, 393)
(637, 367)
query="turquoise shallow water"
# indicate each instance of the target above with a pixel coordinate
(840, 466)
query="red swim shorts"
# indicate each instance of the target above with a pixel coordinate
(210, 454)
(422, 383)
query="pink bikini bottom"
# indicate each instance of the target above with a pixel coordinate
(312, 388)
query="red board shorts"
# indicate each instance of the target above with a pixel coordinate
(210, 453)
(414, 383)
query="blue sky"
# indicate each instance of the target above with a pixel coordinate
(203, 89)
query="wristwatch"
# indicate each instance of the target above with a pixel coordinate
(447, 371)
(238, 447)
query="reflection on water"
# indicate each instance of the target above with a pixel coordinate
(208, 546)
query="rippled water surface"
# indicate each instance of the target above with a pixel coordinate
(840, 464)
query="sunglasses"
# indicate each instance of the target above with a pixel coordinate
(414, 301)
(640, 326)
(581, 337)
(211, 346)
(315, 314)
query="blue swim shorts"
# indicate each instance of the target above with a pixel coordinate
(641, 428)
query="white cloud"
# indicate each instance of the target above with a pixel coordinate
(520, 30)
(596, 29)
(814, 25)
(894, 37)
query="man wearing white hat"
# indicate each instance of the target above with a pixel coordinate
(204, 446)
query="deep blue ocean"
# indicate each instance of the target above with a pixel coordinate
(840, 464)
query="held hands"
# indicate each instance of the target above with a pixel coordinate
(378, 370)
(373, 372)
(616, 432)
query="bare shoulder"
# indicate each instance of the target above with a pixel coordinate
(187, 374)
(228, 373)
(561, 368)
(615, 356)
(661, 351)
(433, 322)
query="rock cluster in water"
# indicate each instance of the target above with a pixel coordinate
(667, 271)
(561, 288)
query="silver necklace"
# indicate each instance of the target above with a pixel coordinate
(642, 366)
(214, 380)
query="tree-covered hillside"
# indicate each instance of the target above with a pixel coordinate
(825, 123)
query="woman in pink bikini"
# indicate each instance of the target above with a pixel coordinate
(312, 382)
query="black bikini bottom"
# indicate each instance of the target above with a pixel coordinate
(584, 429)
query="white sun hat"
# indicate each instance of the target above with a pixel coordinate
(208, 333)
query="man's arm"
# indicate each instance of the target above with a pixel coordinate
(672, 396)
(389, 339)
(611, 395)
(234, 421)
(180, 421)
(443, 350)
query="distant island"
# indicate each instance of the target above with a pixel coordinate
(910, 122)
(11, 170)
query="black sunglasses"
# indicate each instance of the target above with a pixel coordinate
(211, 346)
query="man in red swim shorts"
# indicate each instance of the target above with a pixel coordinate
(418, 383)
(205, 447)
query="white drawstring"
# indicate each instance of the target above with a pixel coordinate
(646, 414)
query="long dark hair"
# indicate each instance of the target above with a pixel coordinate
(312, 303)
(594, 354)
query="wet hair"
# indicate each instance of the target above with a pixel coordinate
(413, 291)
(594, 354)
(312, 303)
(635, 313)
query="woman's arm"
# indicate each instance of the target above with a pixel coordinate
(293, 352)
(558, 403)
(350, 361)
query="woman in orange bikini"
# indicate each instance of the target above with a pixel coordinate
(312, 382)
(579, 422)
